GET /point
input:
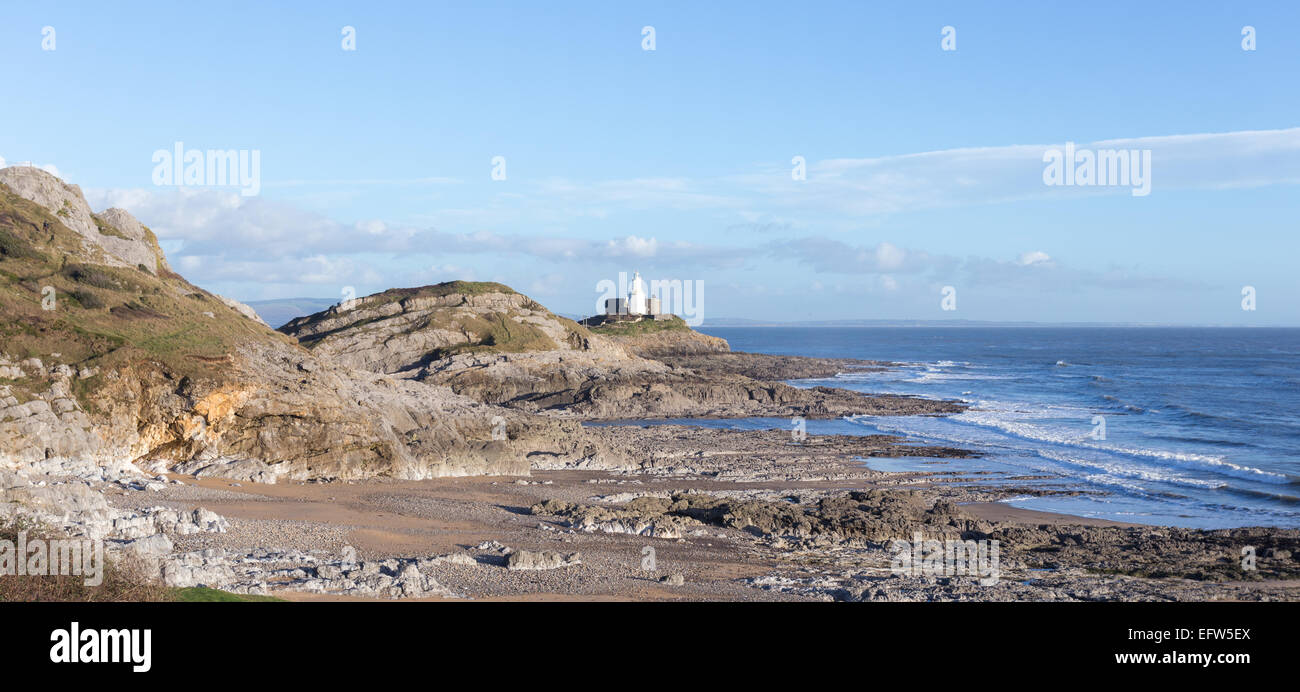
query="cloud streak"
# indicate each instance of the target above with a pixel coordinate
(218, 234)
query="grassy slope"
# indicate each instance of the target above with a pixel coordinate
(485, 331)
(464, 288)
(103, 316)
(674, 324)
(201, 594)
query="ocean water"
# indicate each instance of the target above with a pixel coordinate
(1201, 425)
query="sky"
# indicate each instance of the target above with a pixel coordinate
(790, 161)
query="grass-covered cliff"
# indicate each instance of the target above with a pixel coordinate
(62, 301)
(660, 338)
(106, 354)
(404, 328)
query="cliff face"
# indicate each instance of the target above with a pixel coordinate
(113, 238)
(106, 356)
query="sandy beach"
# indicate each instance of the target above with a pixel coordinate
(485, 518)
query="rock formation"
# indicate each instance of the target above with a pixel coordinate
(106, 354)
(487, 342)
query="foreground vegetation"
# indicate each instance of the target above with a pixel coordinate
(61, 302)
(641, 327)
(124, 579)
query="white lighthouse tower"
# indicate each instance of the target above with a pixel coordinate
(636, 297)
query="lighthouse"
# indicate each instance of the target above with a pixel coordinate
(636, 297)
(638, 304)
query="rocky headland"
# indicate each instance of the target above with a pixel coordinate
(487, 342)
(462, 441)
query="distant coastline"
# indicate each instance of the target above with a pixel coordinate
(279, 311)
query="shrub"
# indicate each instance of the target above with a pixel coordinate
(125, 577)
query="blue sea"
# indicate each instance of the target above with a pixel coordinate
(1201, 425)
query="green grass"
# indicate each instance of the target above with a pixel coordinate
(12, 247)
(643, 327)
(466, 288)
(488, 331)
(104, 316)
(495, 332)
(202, 594)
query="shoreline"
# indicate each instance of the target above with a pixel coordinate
(462, 529)
(721, 514)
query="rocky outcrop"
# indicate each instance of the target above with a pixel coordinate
(68, 498)
(643, 516)
(121, 238)
(489, 343)
(520, 560)
(140, 365)
(762, 366)
(279, 412)
(401, 330)
(875, 515)
(262, 571)
(244, 310)
(661, 339)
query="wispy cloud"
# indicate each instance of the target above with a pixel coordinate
(987, 175)
(231, 237)
(1030, 270)
(386, 182)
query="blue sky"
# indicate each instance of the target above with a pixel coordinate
(924, 166)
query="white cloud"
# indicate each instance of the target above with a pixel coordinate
(1034, 270)
(548, 284)
(372, 227)
(1035, 257)
(229, 235)
(889, 256)
(215, 235)
(982, 175)
(382, 182)
(632, 246)
(452, 272)
(637, 193)
(838, 257)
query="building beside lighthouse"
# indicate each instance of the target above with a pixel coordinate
(636, 305)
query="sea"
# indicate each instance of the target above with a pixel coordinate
(1193, 427)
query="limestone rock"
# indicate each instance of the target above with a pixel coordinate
(541, 560)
